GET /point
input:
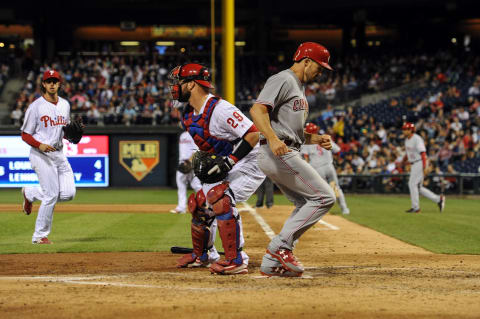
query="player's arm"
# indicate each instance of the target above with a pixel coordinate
(261, 118)
(30, 140)
(323, 140)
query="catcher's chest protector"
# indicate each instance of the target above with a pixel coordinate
(197, 126)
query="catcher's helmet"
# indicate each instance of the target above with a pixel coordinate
(314, 51)
(311, 128)
(408, 126)
(188, 72)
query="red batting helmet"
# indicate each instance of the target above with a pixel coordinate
(408, 126)
(311, 128)
(49, 74)
(314, 51)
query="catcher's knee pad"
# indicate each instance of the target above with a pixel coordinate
(219, 201)
(228, 226)
(200, 237)
(196, 204)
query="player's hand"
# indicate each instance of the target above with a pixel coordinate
(277, 147)
(325, 141)
(46, 148)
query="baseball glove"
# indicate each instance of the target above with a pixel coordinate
(210, 168)
(73, 131)
(185, 167)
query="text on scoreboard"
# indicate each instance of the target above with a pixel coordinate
(88, 158)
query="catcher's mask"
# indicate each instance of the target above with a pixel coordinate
(185, 73)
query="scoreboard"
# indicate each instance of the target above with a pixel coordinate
(88, 158)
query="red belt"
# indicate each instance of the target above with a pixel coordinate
(287, 142)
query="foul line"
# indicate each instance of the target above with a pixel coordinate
(332, 227)
(266, 228)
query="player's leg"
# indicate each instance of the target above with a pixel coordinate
(203, 230)
(332, 176)
(47, 173)
(243, 180)
(269, 192)
(414, 182)
(66, 182)
(181, 180)
(195, 183)
(291, 172)
(260, 195)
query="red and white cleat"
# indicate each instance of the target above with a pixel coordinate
(288, 260)
(42, 241)
(224, 267)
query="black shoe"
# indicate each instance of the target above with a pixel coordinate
(441, 203)
(411, 210)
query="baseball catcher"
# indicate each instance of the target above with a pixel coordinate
(73, 131)
(226, 164)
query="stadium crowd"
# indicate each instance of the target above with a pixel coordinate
(133, 90)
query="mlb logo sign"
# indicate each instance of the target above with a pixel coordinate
(139, 157)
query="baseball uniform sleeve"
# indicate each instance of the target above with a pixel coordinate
(29, 122)
(274, 92)
(335, 148)
(228, 122)
(420, 145)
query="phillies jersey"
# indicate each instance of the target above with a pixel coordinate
(227, 121)
(285, 95)
(45, 120)
(317, 155)
(186, 147)
(414, 147)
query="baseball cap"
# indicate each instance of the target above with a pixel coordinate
(51, 74)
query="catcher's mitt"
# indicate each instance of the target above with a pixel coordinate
(185, 167)
(73, 131)
(210, 168)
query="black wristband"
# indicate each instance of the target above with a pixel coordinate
(242, 149)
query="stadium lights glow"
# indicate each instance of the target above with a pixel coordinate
(240, 43)
(129, 43)
(166, 43)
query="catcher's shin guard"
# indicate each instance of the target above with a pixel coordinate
(227, 223)
(200, 226)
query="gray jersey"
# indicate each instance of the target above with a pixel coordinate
(285, 95)
(414, 147)
(317, 155)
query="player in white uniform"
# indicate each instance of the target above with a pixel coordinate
(220, 128)
(186, 148)
(43, 131)
(322, 160)
(416, 155)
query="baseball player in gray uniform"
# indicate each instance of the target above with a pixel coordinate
(416, 155)
(280, 113)
(322, 161)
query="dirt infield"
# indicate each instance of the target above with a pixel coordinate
(352, 272)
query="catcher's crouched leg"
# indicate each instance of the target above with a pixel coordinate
(229, 229)
(200, 233)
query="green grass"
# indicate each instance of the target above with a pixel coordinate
(455, 231)
(77, 232)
